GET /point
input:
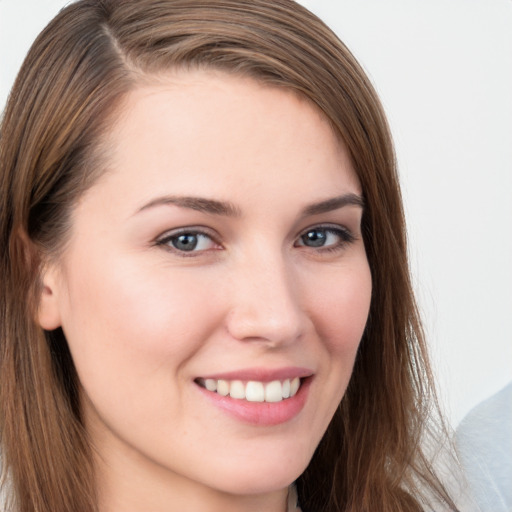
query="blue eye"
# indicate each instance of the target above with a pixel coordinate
(188, 241)
(325, 237)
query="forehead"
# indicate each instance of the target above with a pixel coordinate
(217, 125)
(189, 96)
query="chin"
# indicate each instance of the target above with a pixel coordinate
(252, 479)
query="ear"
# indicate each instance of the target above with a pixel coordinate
(48, 312)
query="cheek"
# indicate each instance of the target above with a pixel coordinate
(341, 310)
(122, 322)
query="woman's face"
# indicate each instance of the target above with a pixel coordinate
(221, 249)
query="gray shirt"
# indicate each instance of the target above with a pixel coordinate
(484, 444)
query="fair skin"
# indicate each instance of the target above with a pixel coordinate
(222, 244)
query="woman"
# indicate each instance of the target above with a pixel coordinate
(206, 294)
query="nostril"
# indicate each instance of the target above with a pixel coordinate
(262, 328)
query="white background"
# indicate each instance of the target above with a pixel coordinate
(444, 73)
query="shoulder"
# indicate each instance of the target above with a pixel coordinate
(484, 445)
(490, 422)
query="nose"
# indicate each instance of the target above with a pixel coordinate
(266, 303)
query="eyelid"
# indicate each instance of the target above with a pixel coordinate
(346, 235)
(203, 230)
(164, 239)
(332, 226)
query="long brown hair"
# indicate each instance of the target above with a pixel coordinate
(68, 91)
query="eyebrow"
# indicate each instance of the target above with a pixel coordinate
(228, 209)
(200, 204)
(333, 203)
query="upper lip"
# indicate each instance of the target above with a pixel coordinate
(262, 374)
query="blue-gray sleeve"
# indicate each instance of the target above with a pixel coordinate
(484, 444)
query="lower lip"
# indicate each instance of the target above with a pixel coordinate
(261, 413)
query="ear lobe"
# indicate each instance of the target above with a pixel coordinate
(48, 312)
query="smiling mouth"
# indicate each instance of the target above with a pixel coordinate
(253, 391)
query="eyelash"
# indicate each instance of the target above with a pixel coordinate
(344, 235)
(167, 239)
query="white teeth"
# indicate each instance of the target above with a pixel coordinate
(273, 391)
(294, 386)
(223, 387)
(253, 391)
(237, 390)
(210, 384)
(286, 388)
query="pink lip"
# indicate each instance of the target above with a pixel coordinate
(262, 374)
(261, 413)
